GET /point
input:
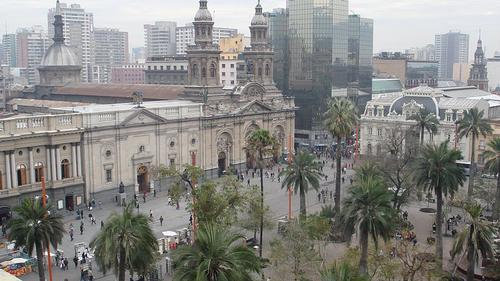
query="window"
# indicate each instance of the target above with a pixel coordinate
(109, 175)
(267, 70)
(38, 172)
(65, 169)
(168, 67)
(172, 144)
(232, 65)
(260, 72)
(21, 174)
(370, 131)
(223, 74)
(203, 72)
(155, 67)
(222, 57)
(232, 82)
(212, 70)
(194, 70)
(182, 67)
(448, 117)
(379, 132)
(223, 65)
(232, 74)
(108, 153)
(161, 67)
(193, 141)
(481, 145)
(149, 67)
(175, 67)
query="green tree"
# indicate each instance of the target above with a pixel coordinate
(436, 170)
(426, 121)
(472, 125)
(342, 271)
(368, 211)
(33, 227)
(261, 145)
(475, 238)
(126, 242)
(216, 255)
(302, 174)
(251, 218)
(341, 120)
(492, 157)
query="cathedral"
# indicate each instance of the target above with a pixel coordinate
(87, 139)
(478, 76)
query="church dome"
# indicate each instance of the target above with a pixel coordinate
(203, 13)
(259, 20)
(59, 55)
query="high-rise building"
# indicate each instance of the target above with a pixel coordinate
(360, 46)
(230, 57)
(9, 50)
(78, 28)
(185, 36)
(425, 53)
(160, 39)
(110, 49)
(478, 76)
(494, 71)
(278, 37)
(31, 46)
(450, 48)
(318, 47)
(138, 55)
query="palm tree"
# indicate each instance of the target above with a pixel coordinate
(216, 255)
(341, 272)
(303, 173)
(368, 169)
(436, 170)
(369, 212)
(33, 226)
(261, 144)
(492, 157)
(426, 121)
(341, 119)
(126, 242)
(475, 238)
(472, 125)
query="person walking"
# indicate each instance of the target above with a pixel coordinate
(66, 262)
(161, 220)
(102, 224)
(75, 261)
(71, 234)
(81, 228)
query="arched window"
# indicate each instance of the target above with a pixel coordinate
(260, 71)
(203, 72)
(21, 174)
(212, 70)
(203, 31)
(65, 169)
(268, 70)
(38, 172)
(194, 70)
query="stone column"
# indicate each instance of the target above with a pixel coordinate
(13, 168)
(32, 166)
(74, 160)
(78, 160)
(58, 163)
(47, 174)
(7, 169)
(53, 162)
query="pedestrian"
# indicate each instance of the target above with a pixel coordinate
(75, 261)
(135, 197)
(82, 274)
(144, 197)
(161, 220)
(319, 197)
(343, 179)
(81, 229)
(66, 263)
(434, 228)
(150, 214)
(154, 192)
(248, 182)
(102, 224)
(90, 276)
(190, 219)
(351, 180)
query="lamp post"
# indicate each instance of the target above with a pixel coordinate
(44, 203)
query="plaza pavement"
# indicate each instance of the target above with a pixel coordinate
(275, 197)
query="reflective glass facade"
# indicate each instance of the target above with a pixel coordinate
(318, 35)
(421, 72)
(278, 37)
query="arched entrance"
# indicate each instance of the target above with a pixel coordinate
(143, 179)
(221, 163)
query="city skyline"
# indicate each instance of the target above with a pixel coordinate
(399, 25)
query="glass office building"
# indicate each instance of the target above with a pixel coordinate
(278, 37)
(421, 72)
(317, 44)
(360, 53)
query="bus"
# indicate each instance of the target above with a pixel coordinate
(465, 165)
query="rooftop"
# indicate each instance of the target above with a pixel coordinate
(150, 91)
(96, 108)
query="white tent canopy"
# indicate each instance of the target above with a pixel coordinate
(4, 276)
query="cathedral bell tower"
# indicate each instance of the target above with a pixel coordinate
(259, 57)
(478, 73)
(203, 56)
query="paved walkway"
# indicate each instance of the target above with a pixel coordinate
(174, 219)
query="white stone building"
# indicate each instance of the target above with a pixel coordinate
(391, 111)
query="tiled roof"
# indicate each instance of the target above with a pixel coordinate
(150, 91)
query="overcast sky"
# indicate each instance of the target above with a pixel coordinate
(399, 24)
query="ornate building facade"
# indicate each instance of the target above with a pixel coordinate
(478, 76)
(86, 151)
(388, 114)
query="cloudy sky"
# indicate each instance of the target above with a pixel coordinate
(399, 24)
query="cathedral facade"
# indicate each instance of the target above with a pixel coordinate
(86, 151)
